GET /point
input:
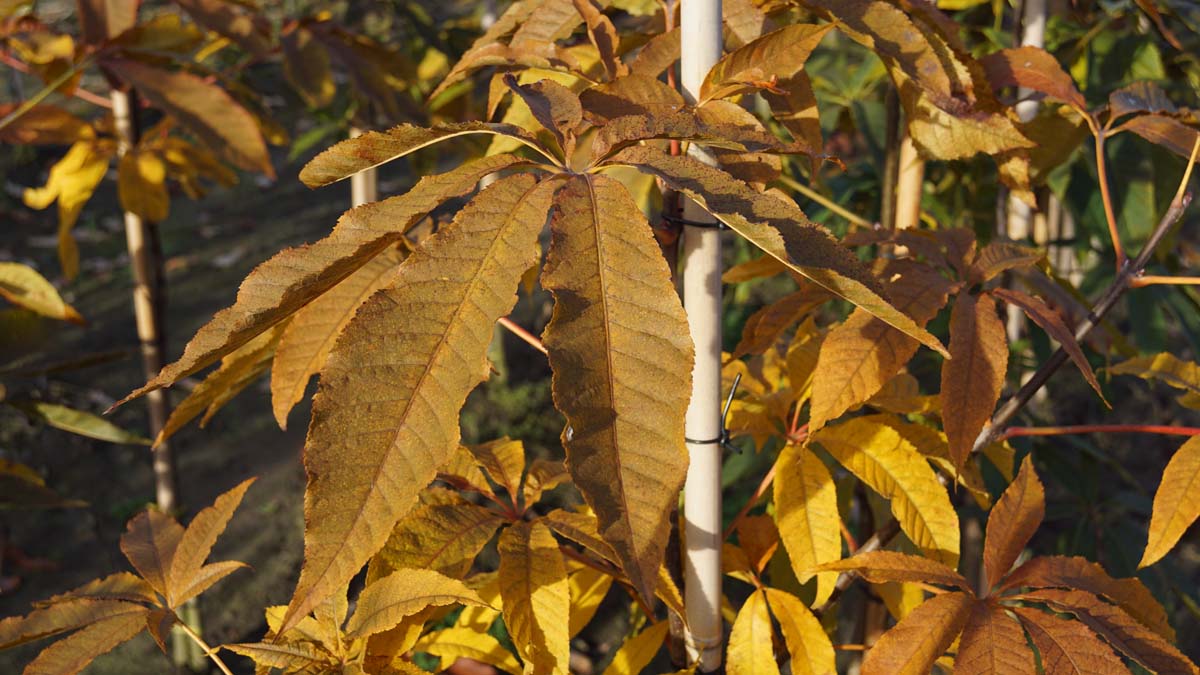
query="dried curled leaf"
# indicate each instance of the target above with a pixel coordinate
(972, 380)
(533, 585)
(1176, 502)
(911, 646)
(410, 356)
(1013, 520)
(621, 354)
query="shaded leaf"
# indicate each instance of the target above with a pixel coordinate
(637, 652)
(1165, 131)
(74, 653)
(100, 20)
(78, 422)
(411, 355)
(554, 107)
(660, 53)
(999, 257)
(795, 107)
(385, 602)
(23, 286)
(751, 648)
(533, 585)
(118, 586)
(1165, 367)
(1011, 523)
(806, 513)
(621, 353)
(972, 380)
(1052, 322)
(883, 566)
(1176, 502)
(198, 539)
(1068, 647)
(232, 21)
(141, 184)
(306, 67)
(761, 63)
(60, 617)
(149, 542)
(807, 644)
(911, 646)
(631, 95)
(993, 643)
(603, 36)
(43, 125)
(766, 326)
(1032, 68)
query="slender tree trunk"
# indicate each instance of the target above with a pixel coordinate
(701, 259)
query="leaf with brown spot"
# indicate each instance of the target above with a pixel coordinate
(408, 359)
(972, 380)
(1011, 523)
(621, 353)
(796, 109)
(1164, 131)
(537, 600)
(23, 286)
(1068, 647)
(911, 646)
(1052, 322)
(780, 229)
(993, 643)
(1176, 502)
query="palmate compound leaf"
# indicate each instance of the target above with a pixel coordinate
(1121, 631)
(972, 380)
(806, 513)
(880, 457)
(294, 277)
(1176, 502)
(536, 597)
(384, 603)
(993, 643)
(780, 229)
(867, 352)
(807, 644)
(751, 648)
(379, 147)
(1011, 523)
(187, 563)
(913, 644)
(385, 417)
(1068, 647)
(308, 338)
(622, 355)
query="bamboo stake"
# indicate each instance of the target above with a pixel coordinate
(700, 21)
(364, 185)
(910, 178)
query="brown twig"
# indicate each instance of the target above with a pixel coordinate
(514, 328)
(1106, 198)
(1013, 432)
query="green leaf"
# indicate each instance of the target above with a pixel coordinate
(78, 422)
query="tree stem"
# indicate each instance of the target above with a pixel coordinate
(1013, 432)
(208, 651)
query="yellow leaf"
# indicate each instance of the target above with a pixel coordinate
(867, 352)
(454, 642)
(536, 596)
(900, 598)
(555, 107)
(411, 355)
(638, 651)
(621, 353)
(197, 542)
(807, 515)
(1165, 367)
(440, 537)
(911, 646)
(73, 654)
(972, 380)
(807, 643)
(1176, 503)
(309, 337)
(385, 602)
(24, 287)
(71, 182)
(1011, 524)
(764, 327)
(751, 648)
(504, 462)
(543, 475)
(142, 184)
(293, 656)
(44, 124)
(581, 528)
(993, 643)
(891, 466)
(932, 444)
(588, 588)
(780, 229)
(149, 542)
(293, 277)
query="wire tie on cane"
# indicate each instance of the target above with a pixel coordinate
(724, 439)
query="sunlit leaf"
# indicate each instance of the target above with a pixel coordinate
(1176, 502)
(911, 646)
(751, 648)
(385, 602)
(1012, 521)
(588, 589)
(993, 643)
(637, 652)
(71, 182)
(78, 422)
(807, 643)
(807, 515)
(1035, 69)
(1068, 647)
(455, 642)
(889, 566)
(1052, 322)
(759, 64)
(1165, 367)
(24, 287)
(197, 542)
(74, 653)
(63, 616)
(972, 380)
(533, 584)
(440, 537)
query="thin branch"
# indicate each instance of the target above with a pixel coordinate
(828, 203)
(45, 91)
(208, 651)
(79, 92)
(525, 335)
(1013, 432)
(1106, 197)
(1152, 280)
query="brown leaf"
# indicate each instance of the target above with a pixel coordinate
(248, 30)
(118, 586)
(306, 67)
(444, 538)
(779, 228)
(582, 529)
(1068, 647)
(537, 601)
(911, 646)
(202, 108)
(1032, 68)
(149, 543)
(796, 109)
(1123, 632)
(766, 326)
(621, 353)
(554, 106)
(603, 36)
(1168, 132)
(100, 20)
(1083, 575)
(73, 654)
(1052, 322)
(660, 53)
(408, 358)
(999, 257)
(883, 566)
(972, 380)
(1013, 520)
(62, 616)
(776, 55)
(1140, 97)
(198, 539)
(865, 351)
(43, 125)
(993, 643)
(633, 94)
(206, 577)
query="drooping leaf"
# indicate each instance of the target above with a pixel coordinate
(866, 352)
(795, 107)
(71, 182)
(1000, 256)
(1176, 502)
(78, 422)
(1121, 631)
(1165, 131)
(62, 616)
(806, 512)
(751, 648)
(385, 602)
(440, 537)
(588, 589)
(807, 644)
(1052, 322)
(637, 652)
(294, 277)
(456, 641)
(911, 646)
(993, 643)
(621, 353)
(1081, 574)
(149, 542)
(373, 148)
(880, 457)
(533, 585)
(779, 228)
(1035, 69)
(308, 338)
(198, 539)
(72, 654)
(972, 380)
(885, 566)
(411, 355)
(1013, 520)
(23, 286)
(141, 184)
(1068, 647)
(203, 108)
(761, 63)
(1165, 367)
